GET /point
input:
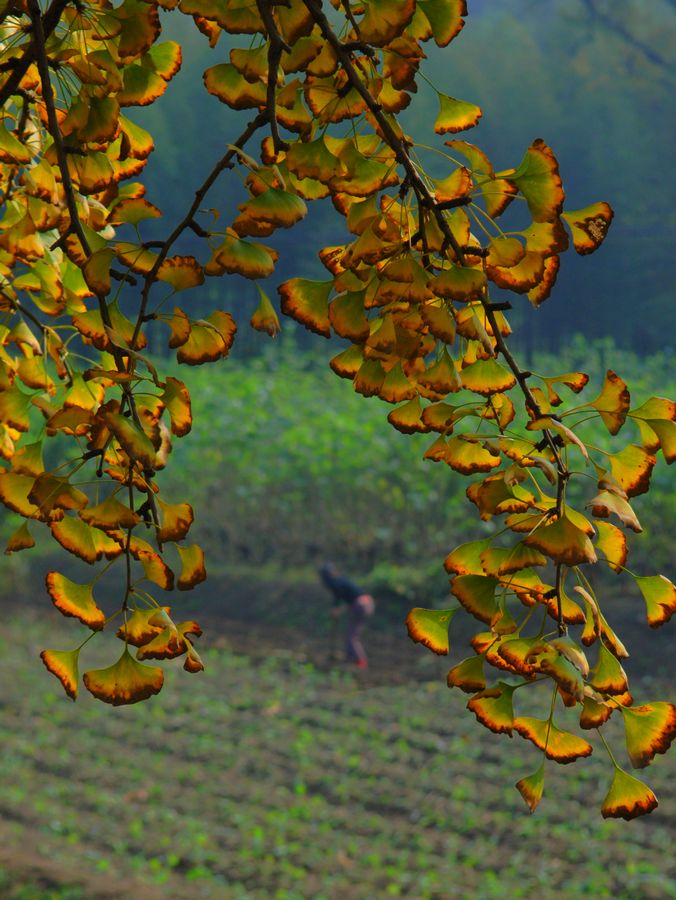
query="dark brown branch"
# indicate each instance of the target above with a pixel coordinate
(48, 22)
(224, 163)
(275, 47)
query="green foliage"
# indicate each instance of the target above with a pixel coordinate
(411, 286)
(277, 778)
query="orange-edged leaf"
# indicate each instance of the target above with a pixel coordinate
(138, 629)
(445, 18)
(532, 786)
(126, 681)
(348, 363)
(176, 399)
(561, 746)
(314, 160)
(628, 798)
(396, 386)
(455, 115)
(477, 595)
(96, 270)
(14, 408)
(562, 671)
(589, 226)
(469, 457)
(613, 544)
(181, 272)
(608, 676)
(133, 440)
(110, 515)
(613, 402)
(307, 302)
(632, 468)
(498, 561)
(21, 539)
(243, 258)
(429, 627)
(563, 542)
(210, 339)
(660, 598)
(265, 316)
(539, 181)
(193, 662)
(505, 252)
(76, 600)
(408, 417)
(226, 83)
(439, 321)
(486, 377)
(494, 708)
(82, 540)
(465, 559)
(180, 328)
(457, 184)
(346, 314)
(50, 492)
(441, 377)
(468, 675)
(594, 714)
(605, 503)
(383, 21)
(649, 730)
(192, 567)
(176, 520)
(459, 283)
(369, 379)
(64, 665)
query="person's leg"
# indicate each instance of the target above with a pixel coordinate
(355, 649)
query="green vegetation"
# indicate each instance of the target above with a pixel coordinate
(289, 466)
(276, 779)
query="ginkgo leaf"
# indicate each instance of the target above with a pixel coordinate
(176, 399)
(314, 160)
(627, 798)
(50, 492)
(459, 283)
(176, 519)
(238, 257)
(468, 456)
(138, 628)
(193, 662)
(632, 468)
(613, 402)
(384, 20)
(348, 363)
(181, 272)
(76, 600)
(494, 708)
(210, 339)
(110, 515)
(455, 115)
(307, 302)
(429, 627)
(192, 567)
(83, 540)
(608, 676)
(649, 730)
(265, 316)
(594, 714)
(408, 417)
(612, 543)
(487, 376)
(232, 88)
(538, 179)
(589, 226)
(466, 558)
(605, 503)
(532, 786)
(468, 675)
(126, 681)
(133, 440)
(563, 542)
(64, 665)
(659, 594)
(347, 317)
(561, 746)
(21, 539)
(477, 595)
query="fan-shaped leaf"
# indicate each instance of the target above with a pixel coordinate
(468, 675)
(532, 786)
(627, 798)
(430, 628)
(126, 681)
(64, 665)
(561, 746)
(494, 708)
(192, 567)
(649, 730)
(660, 598)
(76, 600)
(589, 226)
(456, 115)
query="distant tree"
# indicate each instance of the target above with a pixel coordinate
(409, 289)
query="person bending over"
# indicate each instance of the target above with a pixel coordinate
(359, 605)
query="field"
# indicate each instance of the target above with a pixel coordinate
(276, 775)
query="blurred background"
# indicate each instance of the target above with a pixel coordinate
(275, 773)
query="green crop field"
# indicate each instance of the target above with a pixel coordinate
(269, 777)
